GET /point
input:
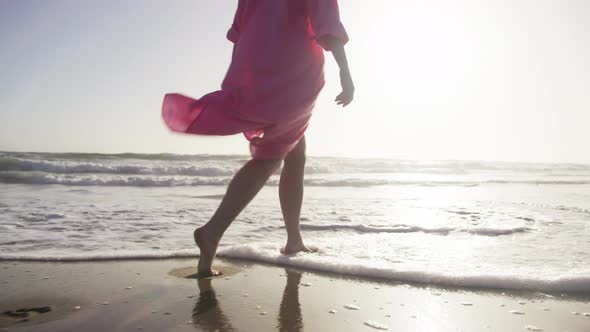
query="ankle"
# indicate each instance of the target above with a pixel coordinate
(294, 241)
(207, 233)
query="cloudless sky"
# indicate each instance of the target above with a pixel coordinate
(452, 79)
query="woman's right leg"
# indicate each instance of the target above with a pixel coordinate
(241, 190)
(291, 197)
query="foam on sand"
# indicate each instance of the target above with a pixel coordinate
(351, 307)
(376, 325)
(270, 254)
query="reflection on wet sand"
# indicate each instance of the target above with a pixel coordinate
(290, 319)
(207, 313)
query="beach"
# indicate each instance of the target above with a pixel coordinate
(103, 242)
(163, 295)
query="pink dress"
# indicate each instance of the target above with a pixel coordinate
(274, 78)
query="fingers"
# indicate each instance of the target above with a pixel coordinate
(343, 99)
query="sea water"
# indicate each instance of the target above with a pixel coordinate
(448, 223)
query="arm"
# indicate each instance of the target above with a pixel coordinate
(347, 94)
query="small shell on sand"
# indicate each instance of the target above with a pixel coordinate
(332, 311)
(77, 307)
(516, 312)
(263, 313)
(587, 314)
(258, 307)
(189, 322)
(352, 307)
(46, 278)
(306, 284)
(376, 325)
(128, 287)
(532, 328)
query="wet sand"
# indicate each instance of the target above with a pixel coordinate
(164, 295)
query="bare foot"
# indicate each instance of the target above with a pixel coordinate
(290, 249)
(208, 248)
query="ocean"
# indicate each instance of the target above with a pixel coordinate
(493, 225)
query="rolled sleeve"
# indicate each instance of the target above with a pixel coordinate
(233, 34)
(324, 18)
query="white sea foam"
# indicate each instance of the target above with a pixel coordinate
(109, 167)
(268, 254)
(215, 178)
(403, 228)
(316, 262)
(180, 170)
(497, 231)
(110, 256)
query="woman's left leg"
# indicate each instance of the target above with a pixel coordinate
(241, 190)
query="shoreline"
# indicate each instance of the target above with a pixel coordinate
(574, 286)
(154, 295)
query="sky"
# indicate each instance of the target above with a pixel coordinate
(490, 80)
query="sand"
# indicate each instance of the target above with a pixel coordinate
(164, 295)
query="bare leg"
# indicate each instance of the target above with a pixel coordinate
(241, 190)
(291, 197)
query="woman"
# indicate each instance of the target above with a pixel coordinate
(269, 92)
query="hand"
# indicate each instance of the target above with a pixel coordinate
(347, 94)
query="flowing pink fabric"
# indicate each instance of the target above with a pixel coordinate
(273, 81)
